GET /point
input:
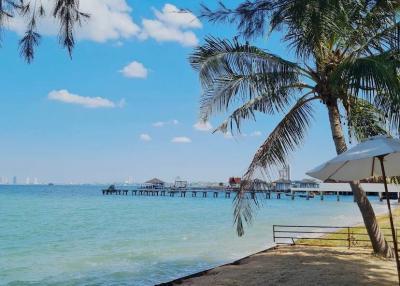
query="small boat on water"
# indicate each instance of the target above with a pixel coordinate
(305, 196)
(301, 195)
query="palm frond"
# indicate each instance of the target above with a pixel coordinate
(285, 138)
(30, 40)
(65, 11)
(374, 79)
(231, 70)
(68, 14)
(265, 103)
(312, 26)
(260, 103)
(251, 16)
(375, 27)
(365, 120)
(309, 24)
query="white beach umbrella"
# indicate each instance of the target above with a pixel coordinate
(362, 161)
(374, 157)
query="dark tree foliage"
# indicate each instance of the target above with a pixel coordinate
(66, 13)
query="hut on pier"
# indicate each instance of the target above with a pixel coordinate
(180, 184)
(234, 182)
(282, 185)
(305, 183)
(155, 184)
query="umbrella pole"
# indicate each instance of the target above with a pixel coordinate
(396, 253)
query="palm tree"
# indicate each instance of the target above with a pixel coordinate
(66, 12)
(347, 59)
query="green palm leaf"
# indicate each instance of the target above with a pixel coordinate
(231, 70)
(365, 120)
(373, 78)
(286, 137)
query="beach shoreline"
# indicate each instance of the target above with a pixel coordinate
(204, 272)
(180, 280)
(301, 265)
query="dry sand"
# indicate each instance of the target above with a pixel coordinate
(302, 265)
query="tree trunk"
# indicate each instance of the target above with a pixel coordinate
(379, 244)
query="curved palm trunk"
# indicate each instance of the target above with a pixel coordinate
(379, 244)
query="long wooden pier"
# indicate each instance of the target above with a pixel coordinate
(336, 189)
(190, 193)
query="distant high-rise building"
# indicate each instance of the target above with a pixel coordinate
(35, 181)
(14, 180)
(129, 181)
(284, 174)
(28, 181)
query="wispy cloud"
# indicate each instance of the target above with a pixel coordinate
(145, 137)
(203, 126)
(173, 25)
(159, 124)
(256, 134)
(135, 70)
(181, 140)
(229, 135)
(65, 96)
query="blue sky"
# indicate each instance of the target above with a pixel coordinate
(127, 102)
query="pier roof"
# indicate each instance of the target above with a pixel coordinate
(155, 181)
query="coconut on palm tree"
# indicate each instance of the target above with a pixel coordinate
(347, 59)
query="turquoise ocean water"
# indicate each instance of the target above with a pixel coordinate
(73, 235)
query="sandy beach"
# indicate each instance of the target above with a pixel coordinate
(302, 265)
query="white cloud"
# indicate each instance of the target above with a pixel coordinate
(256, 134)
(159, 124)
(171, 25)
(164, 123)
(135, 70)
(178, 18)
(118, 44)
(181, 140)
(109, 20)
(145, 137)
(203, 126)
(65, 96)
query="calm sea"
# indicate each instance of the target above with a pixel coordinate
(73, 235)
